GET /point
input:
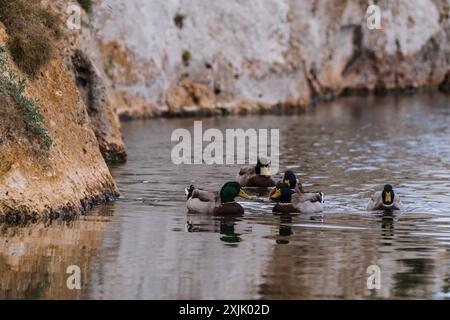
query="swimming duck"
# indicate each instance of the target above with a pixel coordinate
(291, 180)
(217, 203)
(256, 176)
(384, 200)
(289, 201)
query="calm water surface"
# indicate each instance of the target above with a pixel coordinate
(146, 246)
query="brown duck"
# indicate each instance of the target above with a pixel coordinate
(256, 176)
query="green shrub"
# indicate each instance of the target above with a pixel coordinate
(186, 57)
(86, 5)
(11, 85)
(32, 32)
(179, 20)
(108, 67)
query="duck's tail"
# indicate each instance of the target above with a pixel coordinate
(189, 190)
(322, 197)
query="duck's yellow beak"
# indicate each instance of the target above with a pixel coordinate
(276, 194)
(265, 171)
(286, 182)
(244, 195)
(387, 197)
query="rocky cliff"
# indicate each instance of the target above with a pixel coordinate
(81, 56)
(176, 57)
(50, 159)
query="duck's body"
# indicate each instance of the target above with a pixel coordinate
(308, 202)
(289, 201)
(384, 200)
(216, 203)
(298, 207)
(256, 176)
(202, 201)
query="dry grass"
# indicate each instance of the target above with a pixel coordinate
(12, 88)
(32, 31)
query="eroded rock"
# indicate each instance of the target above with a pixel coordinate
(275, 53)
(72, 173)
(82, 57)
(97, 97)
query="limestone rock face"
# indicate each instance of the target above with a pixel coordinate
(68, 178)
(81, 55)
(174, 57)
(98, 99)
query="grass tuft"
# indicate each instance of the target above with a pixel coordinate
(186, 57)
(108, 67)
(11, 85)
(51, 21)
(32, 31)
(179, 20)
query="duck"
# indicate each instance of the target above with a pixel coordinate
(289, 201)
(256, 176)
(216, 203)
(384, 200)
(291, 180)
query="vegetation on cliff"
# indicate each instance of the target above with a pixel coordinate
(179, 20)
(32, 31)
(12, 86)
(186, 57)
(86, 5)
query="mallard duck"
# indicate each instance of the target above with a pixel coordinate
(256, 176)
(291, 180)
(384, 200)
(289, 201)
(217, 203)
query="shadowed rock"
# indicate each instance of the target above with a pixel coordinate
(97, 97)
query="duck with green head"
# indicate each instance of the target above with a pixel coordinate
(256, 176)
(294, 183)
(217, 203)
(289, 201)
(384, 200)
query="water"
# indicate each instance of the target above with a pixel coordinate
(146, 246)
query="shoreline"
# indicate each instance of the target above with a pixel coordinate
(66, 212)
(287, 108)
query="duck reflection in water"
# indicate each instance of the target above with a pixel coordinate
(387, 225)
(227, 231)
(285, 229)
(225, 226)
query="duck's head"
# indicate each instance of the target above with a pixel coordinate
(290, 179)
(262, 167)
(282, 193)
(388, 195)
(231, 190)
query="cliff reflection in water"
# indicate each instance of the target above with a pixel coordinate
(150, 248)
(34, 257)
